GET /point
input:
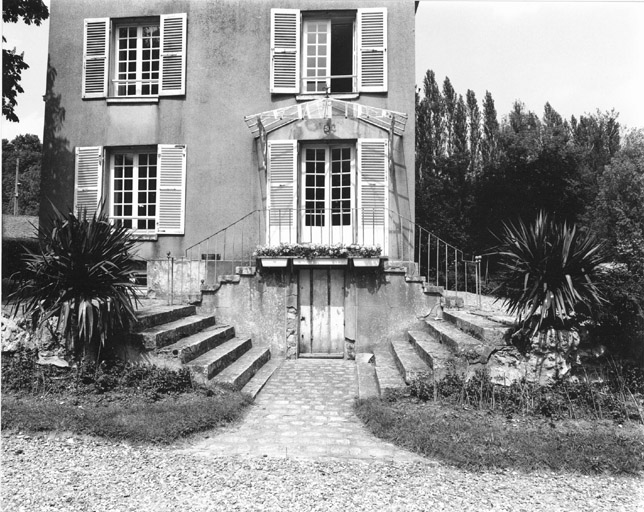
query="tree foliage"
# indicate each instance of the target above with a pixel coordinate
(13, 64)
(29, 150)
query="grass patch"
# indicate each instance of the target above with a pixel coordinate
(115, 400)
(135, 419)
(485, 440)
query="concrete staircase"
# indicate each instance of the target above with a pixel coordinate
(459, 342)
(178, 336)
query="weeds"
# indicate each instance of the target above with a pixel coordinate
(115, 400)
(616, 395)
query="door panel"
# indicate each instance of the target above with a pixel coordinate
(321, 312)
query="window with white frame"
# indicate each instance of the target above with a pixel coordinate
(137, 59)
(134, 58)
(328, 55)
(144, 186)
(317, 52)
(134, 189)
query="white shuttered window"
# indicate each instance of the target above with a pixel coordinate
(285, 50)
(282, 179)
(173, 54)
(136, 58)
(372, 50)
(343, 51)
(96, 47)
(172, 189)
(88, 179)
(147, 189)
(373, 190)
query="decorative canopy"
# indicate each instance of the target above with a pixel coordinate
(326, 108)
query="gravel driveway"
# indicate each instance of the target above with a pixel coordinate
(65, 473)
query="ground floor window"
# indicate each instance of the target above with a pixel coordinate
(134, 194)
(328, 193)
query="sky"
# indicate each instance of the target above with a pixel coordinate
(580, 56)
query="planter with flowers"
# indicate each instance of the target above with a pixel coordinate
(318, 255)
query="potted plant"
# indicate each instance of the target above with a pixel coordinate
(549, 281)
(318, 254)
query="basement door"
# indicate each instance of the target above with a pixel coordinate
(321, 296)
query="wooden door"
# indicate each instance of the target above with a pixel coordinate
(321, 312)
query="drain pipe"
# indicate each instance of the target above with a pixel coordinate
(170, 278)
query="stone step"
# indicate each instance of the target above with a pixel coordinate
(480, 327)
(437, 356)
(169, 333)
(157, 315)
(257, 382)
(387, 373)
(241, 371)
(206, 366)
(191, 347)
(460, 343)
(367, 381)
(409, 363)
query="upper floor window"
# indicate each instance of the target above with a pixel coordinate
(328, 56)
(134, 58)
(137, 60)
(317, 52)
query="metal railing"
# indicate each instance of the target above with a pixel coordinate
(401, 239)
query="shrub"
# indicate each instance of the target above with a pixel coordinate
(83, 274)
(550, 268)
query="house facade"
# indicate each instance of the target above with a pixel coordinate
(210, 127)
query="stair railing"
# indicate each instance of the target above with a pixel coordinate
(441, 263)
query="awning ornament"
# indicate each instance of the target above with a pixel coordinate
(324, 108)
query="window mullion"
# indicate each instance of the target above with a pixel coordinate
(139, 60)
(135, 192)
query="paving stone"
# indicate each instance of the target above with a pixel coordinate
(305, 411)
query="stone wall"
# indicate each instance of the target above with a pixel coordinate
(379, 305)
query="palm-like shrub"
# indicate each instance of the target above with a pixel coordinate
(549, 272)
(83, 274)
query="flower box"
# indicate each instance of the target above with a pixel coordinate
(274, 262)
(314, 262)
(366, 262)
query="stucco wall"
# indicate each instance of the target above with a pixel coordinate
(228, 58)
(378, 305)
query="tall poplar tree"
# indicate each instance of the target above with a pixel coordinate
(474, 125)
(490, 140)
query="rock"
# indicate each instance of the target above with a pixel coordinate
(508, 365)
(52, 361)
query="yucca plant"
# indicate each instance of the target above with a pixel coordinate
(550, 273)
(83, 274)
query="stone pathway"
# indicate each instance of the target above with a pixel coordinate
(305, 411)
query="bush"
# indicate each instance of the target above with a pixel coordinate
(550, 270)
(621, 322)
(83, 273)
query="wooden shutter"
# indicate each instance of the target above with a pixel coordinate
(282, 180)
(96, 47)
(172, 189)
(88, 179)
(372, 50)
(373, 191)
(285, 51)
(173, 54)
